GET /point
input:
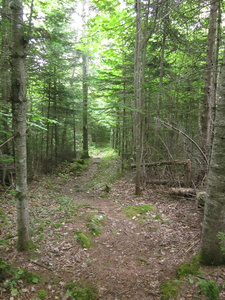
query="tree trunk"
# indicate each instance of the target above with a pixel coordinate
(211, 252)
(5, 74)
(19, 107)
(85, 106)
(208, 101)
(138, 87)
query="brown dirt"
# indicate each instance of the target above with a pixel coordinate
(129, 259)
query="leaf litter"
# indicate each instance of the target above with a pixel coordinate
(128, 259)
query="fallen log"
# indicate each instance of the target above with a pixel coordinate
(185, 192)
(158, 182)
(186, 163)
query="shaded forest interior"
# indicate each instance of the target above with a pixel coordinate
(85, 88)
(143, 80)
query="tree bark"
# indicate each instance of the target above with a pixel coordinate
(214, 217)
(5, 73)
(138, 91)
(85, 106)
(208, 101)
(19, 107)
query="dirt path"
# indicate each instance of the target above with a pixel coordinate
(129, 259)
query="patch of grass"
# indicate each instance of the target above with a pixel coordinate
(95, 223)
(40, 238)
(42, 294)
(40, 227)
(82, 290)
(133, 211)
(169, 289)
(57, 225)
(63, 200)
(83, 239)
(64, 176)
(191, 268)
(209, 288)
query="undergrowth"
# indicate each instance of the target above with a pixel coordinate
(81, 290)
(133, 211)
(83, 239)
(95, 223)
(190, 268)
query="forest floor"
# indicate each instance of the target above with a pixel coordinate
(129, 257)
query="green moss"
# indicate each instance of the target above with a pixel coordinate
(95, 223)
(191, 268)
(83, 239)
(81, 291)
(132, 211)
(79, 165)
(169, 289)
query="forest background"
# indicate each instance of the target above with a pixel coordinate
(144, 78)
(89, 84)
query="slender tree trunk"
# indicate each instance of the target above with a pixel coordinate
(211, 252)
(85, 106)
(55, 129)
(208, 101)
(19, 107)
(48, 125)
(138, 90)
(5, 72)
(74, 133)
(162, 59)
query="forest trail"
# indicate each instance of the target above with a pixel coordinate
(131, 256)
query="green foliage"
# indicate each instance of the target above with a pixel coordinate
(6, 270)
(42, 294)
(30, 245)
(169, 289)
(81, 290)
(7, 159)
(64, 176)
(133, 211)
(191, 268)
(63, 200)
(221, 237)
(209, 288)
(83, 239)
(95, 223)
(3, 218)
(79, 165)
(27, 276)
(57, 225)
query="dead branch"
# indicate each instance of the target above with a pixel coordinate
(168, 125)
